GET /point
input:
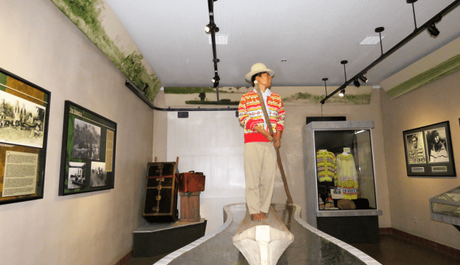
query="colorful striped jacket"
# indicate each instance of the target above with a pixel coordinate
(327, 169)
(251, 114)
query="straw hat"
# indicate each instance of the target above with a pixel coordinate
(258, 68)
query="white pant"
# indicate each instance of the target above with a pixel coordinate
(260, 170)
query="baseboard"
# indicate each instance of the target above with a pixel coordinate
(125, 259)
(453, 252)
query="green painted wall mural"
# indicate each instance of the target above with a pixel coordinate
(89, 16)
(182, 96)
(445, 68)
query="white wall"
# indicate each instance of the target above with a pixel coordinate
(212, 143)
(409, 196)
(40, 44)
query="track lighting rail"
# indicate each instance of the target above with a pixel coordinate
(134, 89)
(211, 28)
(416, 32)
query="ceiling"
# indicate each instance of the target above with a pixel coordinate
(312, 36)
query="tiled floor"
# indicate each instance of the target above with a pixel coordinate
(391, 250)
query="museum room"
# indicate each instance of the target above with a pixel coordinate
(147, 141)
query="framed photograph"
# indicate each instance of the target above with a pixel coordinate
(24, 112)
(88, 151)
(429, 151)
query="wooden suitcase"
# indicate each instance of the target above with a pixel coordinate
(160, 203)
(191, 181)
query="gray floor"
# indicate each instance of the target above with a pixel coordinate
(394, 250)
(143, 261)
(307, 248)
(391, 250)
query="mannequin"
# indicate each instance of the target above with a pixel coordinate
(347, 175)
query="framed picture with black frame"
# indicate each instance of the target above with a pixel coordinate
(428, 151)
(88, 151)
(24, 114)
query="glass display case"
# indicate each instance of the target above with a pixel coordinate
(340, 178)
(446, 207)
(344, 170)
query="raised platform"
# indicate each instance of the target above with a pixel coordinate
(310, 246)
(163, 238)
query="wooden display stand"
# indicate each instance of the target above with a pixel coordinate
(190, 206)
(190, 185)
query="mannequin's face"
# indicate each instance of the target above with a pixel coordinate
(264, 80)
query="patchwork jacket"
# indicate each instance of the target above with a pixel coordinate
(250, 114)
(327, 169)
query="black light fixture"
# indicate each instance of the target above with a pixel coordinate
(342, 92)
(344, 62)
(363, 78)
(413, 10)
(379, 30)
(356, 83)
(210, 27)
(215, 79)
(432, 30)
(325, 87)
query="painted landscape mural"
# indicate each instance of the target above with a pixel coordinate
(96, 20)
(230, 96)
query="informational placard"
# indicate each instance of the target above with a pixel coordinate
(20, 174)
(88, 151)
(24, 112)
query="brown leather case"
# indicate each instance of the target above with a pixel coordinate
(191, 181)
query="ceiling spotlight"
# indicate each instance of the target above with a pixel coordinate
(356, 83)
(363, 78)
(209, 27)
(215, 79)
(432, 30)
(342, 93)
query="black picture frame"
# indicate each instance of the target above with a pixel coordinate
(88, 151)
(428, 151)
(24, 119)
